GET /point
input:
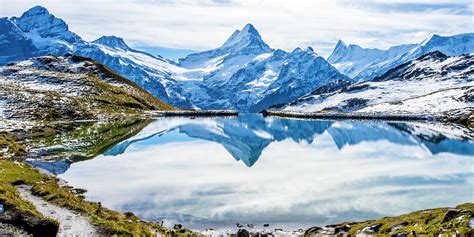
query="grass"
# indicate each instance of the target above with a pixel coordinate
(9, 147)
(101, 136)
(23, 214)
(429, 222)
(109, 222)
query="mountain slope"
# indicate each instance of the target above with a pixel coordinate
(247, 75)
(41, 33)
(244, 73)
(69, 87)
(365, 64)
(432, 84)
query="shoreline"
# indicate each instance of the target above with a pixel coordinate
(465, 119)
(15, 170)
(358, 116)
(196, 113)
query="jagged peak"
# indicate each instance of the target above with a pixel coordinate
(38, 19)
(112, 42)
(340, 44)
(245, 37)
(250, 29)
(37, 10)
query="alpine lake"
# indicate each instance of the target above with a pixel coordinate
(214, 172)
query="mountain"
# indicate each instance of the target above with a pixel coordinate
(69, 88)
(247, 75)
(365, 64)
(37, 33)
(244, 73)
(246, 136)
(431, 84)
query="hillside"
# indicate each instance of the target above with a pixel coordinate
(69, 88)
(434, 84)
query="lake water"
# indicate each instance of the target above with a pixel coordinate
(291, 174)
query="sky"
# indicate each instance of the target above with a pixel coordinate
(179, 27)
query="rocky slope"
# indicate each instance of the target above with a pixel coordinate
(432, 84)
(365, 64)
(244, 73)
(69, 87)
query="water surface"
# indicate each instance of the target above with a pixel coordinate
(291, 174)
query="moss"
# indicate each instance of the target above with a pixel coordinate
(9, 147)
(425, 222)
(19, 212)
(108, 221)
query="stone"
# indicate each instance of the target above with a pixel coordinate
(243, 233)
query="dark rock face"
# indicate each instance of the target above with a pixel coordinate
(243, 233)
(450, 214)
(32, 224)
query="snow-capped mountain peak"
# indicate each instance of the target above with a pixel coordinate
(39, 21)
(248, 37)
(450, 45)
(239, 49)
(112, 42)
(366, 63)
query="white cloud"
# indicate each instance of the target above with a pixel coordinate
(206, 24)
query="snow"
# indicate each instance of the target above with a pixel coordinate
(365, 64)
(244, 73)
(427, 92)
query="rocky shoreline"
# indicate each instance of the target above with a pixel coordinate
(466, 117)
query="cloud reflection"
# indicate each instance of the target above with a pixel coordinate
(308, 173)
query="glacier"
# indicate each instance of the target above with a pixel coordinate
(365, 64)
(434, 83)
(244, 73)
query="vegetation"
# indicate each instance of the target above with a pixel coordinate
(9, 147)
(431, 222)
(79, 141)
(108, 222)
(23, 214)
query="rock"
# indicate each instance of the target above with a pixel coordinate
(398, 226)
(372, 228)
(266, 225)
(239, 225)
(450, 214)
(312, 230)
(344, 228)
(243, 233)
(177, 226)
(250, 225)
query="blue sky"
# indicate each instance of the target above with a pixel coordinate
(162, 26)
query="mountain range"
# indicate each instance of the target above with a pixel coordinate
(365, 64)
(433, 83)
(244, 73)
(246, 136)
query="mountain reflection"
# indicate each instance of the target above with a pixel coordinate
(246, 136)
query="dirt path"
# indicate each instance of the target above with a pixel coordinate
(70, 223)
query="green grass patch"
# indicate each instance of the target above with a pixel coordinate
(109, 222)
(431, 222)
